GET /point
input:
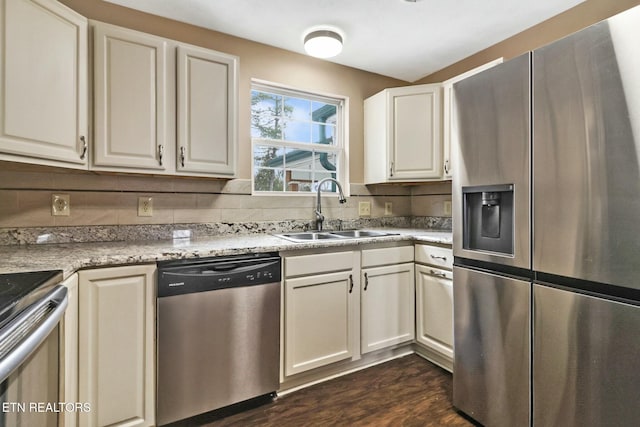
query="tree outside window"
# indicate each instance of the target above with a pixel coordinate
(295, 141)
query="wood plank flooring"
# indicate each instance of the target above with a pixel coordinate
(409, 391)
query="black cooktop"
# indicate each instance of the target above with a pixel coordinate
(19, 290)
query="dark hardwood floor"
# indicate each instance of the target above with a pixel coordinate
(409, 391)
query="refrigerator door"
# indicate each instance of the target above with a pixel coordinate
(491, 370)
(586, 154)
(585, 365)
(493, 112)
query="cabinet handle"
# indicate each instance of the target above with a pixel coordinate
(84, 147)
(350, 283)
(182, 156)
(443, 258)
(391, 169)
(446, 166)
(435, 273)
(160, 153)
(366, 281)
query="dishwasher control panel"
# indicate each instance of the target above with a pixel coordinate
(208, 274)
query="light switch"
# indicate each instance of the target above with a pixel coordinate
(364, 208)
(388, 208)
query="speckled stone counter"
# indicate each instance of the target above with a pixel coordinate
(70, 257)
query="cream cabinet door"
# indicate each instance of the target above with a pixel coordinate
(117, 345)
(317, 321)
(449, 130)
(43, 83)
(434, 310)
(130, 100)
(206, 111)
(387, 306)
(416, 144)
(69, 352)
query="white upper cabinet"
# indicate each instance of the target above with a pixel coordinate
(161, 106)
(43, 83)
(402, 135)
(207, 96)
(449, 136)
(130, 90)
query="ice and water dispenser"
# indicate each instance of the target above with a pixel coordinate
(488, 218)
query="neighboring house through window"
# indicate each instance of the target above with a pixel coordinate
(297, 140)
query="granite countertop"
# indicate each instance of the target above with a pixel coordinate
(75, 256)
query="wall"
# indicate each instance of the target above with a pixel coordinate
(570, 21)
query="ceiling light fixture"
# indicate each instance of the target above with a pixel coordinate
(323, 43)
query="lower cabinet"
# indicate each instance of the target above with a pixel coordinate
(318, 315)
(341, 305)
(318, 321)
(387, 306)
(69, 352)
(434, 308)
(117, 345)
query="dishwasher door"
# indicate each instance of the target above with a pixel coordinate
(218, 347)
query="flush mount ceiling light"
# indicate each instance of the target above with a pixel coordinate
(323, 43)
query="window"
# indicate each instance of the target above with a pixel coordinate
(297, 140)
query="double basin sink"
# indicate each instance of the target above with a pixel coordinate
(307, 236)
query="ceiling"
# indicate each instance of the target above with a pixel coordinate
(395, 38)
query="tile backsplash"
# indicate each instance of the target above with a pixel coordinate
(108, 203)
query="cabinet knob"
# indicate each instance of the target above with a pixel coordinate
(85, 147)
(350, 283)
(446, 166)
(443, 258)
(391, 169)
(366, 281)
(182, 149)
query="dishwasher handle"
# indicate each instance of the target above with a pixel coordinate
(24, 334)
(232, 267)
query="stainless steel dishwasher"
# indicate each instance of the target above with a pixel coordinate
(218, 333)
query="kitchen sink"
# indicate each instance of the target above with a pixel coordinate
(306, 236)
(361, 233)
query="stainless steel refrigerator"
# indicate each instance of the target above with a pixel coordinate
(575, 260)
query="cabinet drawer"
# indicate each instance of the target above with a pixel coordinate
(434, 255)
(318, 263)
(384, 256)
(436, 272)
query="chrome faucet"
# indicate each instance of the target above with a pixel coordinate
(342, 199)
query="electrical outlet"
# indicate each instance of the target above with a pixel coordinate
(447, 207)
(60, 205)
(145, 206)
(364, 208)
(388, 208)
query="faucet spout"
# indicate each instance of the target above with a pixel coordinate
(341, 199)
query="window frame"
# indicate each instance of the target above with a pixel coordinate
(340, 148)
